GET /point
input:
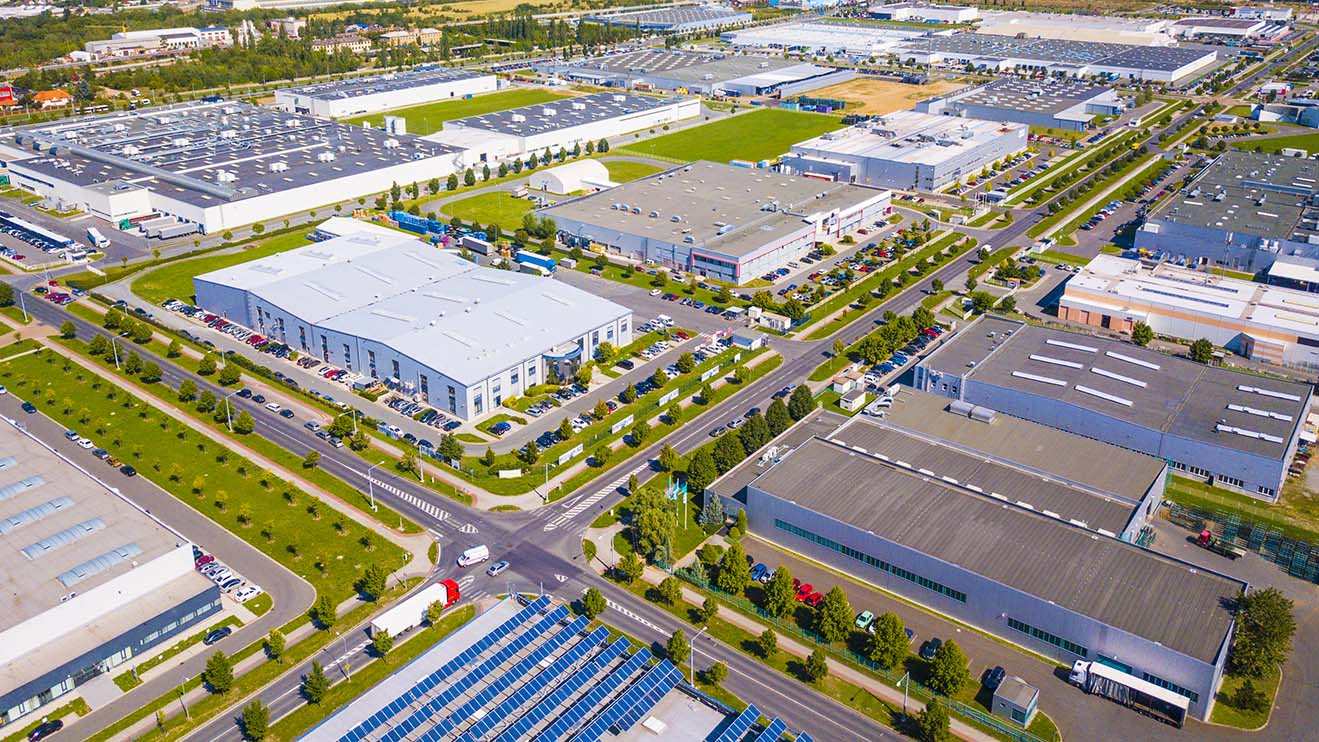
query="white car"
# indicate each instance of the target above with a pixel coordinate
(272, 406)
(655, 292)
(3, 390)
(86, 443)
(220, 576)
(247, 593)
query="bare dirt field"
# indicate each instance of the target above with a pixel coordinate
(865, 95)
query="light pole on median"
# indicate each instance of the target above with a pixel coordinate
(22, 303)
(114, 348)
(228, 411)
(182, 687)
(370, 484)
(691, 658)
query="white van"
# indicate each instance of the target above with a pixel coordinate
(474, 555)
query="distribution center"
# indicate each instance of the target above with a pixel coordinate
(693, 72)
(1058, 104)
(362, 95)
(678, 19)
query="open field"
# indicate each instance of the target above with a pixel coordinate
(174, 280)
(868, 95)
(1307, 142)
(622, 171)
(498, 207)
(428, 118)
(758, 135)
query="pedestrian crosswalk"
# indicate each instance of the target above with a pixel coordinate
(633, 616)
(429, 508)
(465, 582)
(580, 505)
(347, 654)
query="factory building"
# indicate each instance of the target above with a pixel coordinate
(1056, 56)
(1299, 111)
(684, 219)
(454, 335)
(924, 13)
(1229, 428)
(563, 123)
(216, 165)
(1031, 559)
(821, 37)
(363, 95)
(1077, 27)
(907, 150)
(685, 19)
(1258, 321)
(1266, 12)
(1228, 29)
(91, 580)
(153, 41)
(1060, 104)
(687, 72)
(1242, 211)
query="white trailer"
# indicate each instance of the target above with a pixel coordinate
(1130, 691)
(412, 611)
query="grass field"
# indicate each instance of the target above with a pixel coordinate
(622, 171)
(868, 95)
(758, 135)
(428, 118)
(498, 207)
(1307, 142)
(174, 280)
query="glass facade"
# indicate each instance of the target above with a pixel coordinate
(1048, 638)
(1179, 690)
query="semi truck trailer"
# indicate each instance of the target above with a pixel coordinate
(1135, 693)
(412, 611)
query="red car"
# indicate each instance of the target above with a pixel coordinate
(204, 560)
(805, 591)
(814, 600)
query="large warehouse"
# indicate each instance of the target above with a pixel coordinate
(821, 37)
(382, 92)
(924, 12)
(217, 165)
(1060, 104)
(1255, 320)
(1107, 28)
(992, 545)
(1241, 212)
(460, 337)
(90, 580)
(1233, 429)
(692, 72)
(1057, 56)
(680, 19)
(563, 123)
(687, 220)
(907, 150)
(530, 669)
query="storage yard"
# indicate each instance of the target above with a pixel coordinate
(867, 95)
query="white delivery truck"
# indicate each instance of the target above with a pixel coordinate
(474, 555)
(412, 611)
(97, 239)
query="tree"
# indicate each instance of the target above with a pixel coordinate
(629, 567)
(711, 517)
(604, 352)
(933, 722)
(381, 643)
(640, 432)
(315, 684)
(779, 593)
(1249, 698)
(971, 284)
(936, 286)
(629, 394)
(777, 417)
(1265, 626)
(206, 366)
(949, 671)
(565, 428)
(1202, 351)
(835, 619)
(816, 667)
(742, 521)
(600, 456)
(767, 643)
(229, 374)
(800, 403)
(728, 451)
(469, 178)
(670, 590)
(111, 321)
(312, 459)
(659, 378)
(717, 673)
(67, 330)
(701, 471)
(1007, 304)
(256, 720)
(678, 648)
(530, 453)
(754, 434)
(323, 612)
(187, 390)
(150, 372)
(275, 644)
(6, 295)
(100, 346)
(133, 364)
(602, 145)
(174, 350)
(219, 673)
(599, 412)
(488, 458)
(686, 363)
(373, 583)
(205, 401)
(669, 460)
(452, 182)
(593, 603)
(734, 573)
(887, 644)
(981, 302)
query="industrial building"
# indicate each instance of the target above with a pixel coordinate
(157, 40)
(1255, 320)
(1242, 211)
(564, 123)
(362, 95)
(217, 165)
(924, 13)
(1230, 428)
(990, 544)
(531, 669)
(907, 150)
(1228, 29)
(1056, 56)
(1060, 104)
(822, 37)
(90, 580)
(1299, 111)
(697, 73)
(1109, 29)
(682, 19)
(721, 221)
(457, 336)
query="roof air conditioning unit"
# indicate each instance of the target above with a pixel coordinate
(547, 111)
(390, 143)
(279, 167)
(518, 118)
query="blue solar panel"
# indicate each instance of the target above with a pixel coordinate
(741, 725)
(646, 701)
(804, 737)
(772, 732)
(540, 711)
(456, 689)
(634, 703)
(425, 685)
(537, 684)
(570, 718)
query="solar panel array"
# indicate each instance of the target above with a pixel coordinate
(569, 719)
(635, 702)
(772, 732)
(741, 725)
(539, 712)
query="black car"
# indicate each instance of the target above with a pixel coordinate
(287, 413)
(29, 408)
(995, 678)
(245, 393)
(752, 412)
(217, 635)
(930, 647)
(259, 398)
(45, 729)
(128, 471)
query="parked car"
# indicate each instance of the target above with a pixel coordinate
(45, 729)
(814, 600)
(804, 591)
(930, 647)
(29, 408)
(217, 635)
(995, 678)
(864, 619)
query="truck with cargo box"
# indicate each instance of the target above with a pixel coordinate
(411, 611)
(177, 230)
(531, 258)
(477, 245)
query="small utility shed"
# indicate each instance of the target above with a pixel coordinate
(1016, 700)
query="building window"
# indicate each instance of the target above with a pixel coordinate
(595, 337)
(425, 386)
(1019, 716)
(622, 327)
(609, 333)
(1233, 481)
(453, 399)
(1267, 491)
(302, 338)
(477, 406)
(371, 362)
(1179, 690)
(325, 350)
(347, 357)
(1047, 638)
(397, 375)
(879, 564)
(513, 378)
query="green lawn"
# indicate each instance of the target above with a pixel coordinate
(622, 171)
(758, 135)
(174, 280)
(498, 207)
(1307, 142)
(1227, 714)
(428, 118)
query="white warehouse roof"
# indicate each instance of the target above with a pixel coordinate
(442, 311)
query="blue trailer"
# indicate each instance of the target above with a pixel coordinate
(531, 258)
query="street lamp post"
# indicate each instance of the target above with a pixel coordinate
(904, 681)
(370, 484)
(22, 303)
(691, 658)
(182, 687)
(228, 411)
(114, 348)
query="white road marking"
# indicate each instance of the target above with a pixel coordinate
(582, 504)
(426, 507)
(633, 616)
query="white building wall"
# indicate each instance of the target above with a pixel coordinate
(290, 100)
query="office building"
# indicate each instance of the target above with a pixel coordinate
(1058, 104)
(155, 41)
(361, 95)
(452, 334)
(687, 72)
(716, 220)
(907, 150)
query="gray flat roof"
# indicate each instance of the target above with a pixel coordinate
(679, 65)
(1249, 192)
(671, 16)
(724, 209)
(359, 86)
(912, 137)
(562, 113)
(1035, 96)
(819, 423)
(1068, 51)
(1134, 384)
(1116, 583)
(1084, 461)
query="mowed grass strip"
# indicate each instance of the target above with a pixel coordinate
(759, 135)
(174, 280)
(498, 207)
(1307, 142)
(622, 171)
(430, 117)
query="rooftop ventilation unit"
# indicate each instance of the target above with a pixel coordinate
(547, 111)
(578, 106)
(517, 118)
(279, 167)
